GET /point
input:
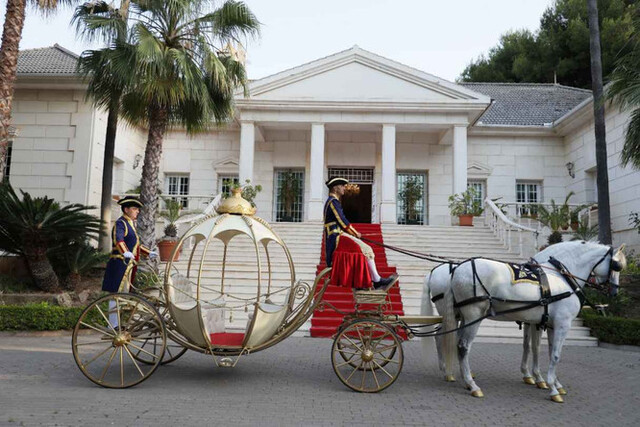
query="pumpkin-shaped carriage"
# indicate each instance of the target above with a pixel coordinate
(122, 338)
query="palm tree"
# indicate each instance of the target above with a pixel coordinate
(32, 227)
(625, 91)
(184, 76)
(602, 183)
(11, 35)
(101, 20)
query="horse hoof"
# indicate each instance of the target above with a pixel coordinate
(477, 393)
(529, 380)
(542, 385)
(562, 391)
(449, 378)
(557, 398)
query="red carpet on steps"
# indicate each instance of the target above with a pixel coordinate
(325, 323)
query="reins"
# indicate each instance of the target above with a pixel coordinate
(545, 298)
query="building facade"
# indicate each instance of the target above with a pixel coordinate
(385, 126)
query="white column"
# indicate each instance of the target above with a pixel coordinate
(459, 159)
(316, 173)
(388, 187)
(247, 148)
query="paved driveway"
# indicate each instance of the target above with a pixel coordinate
(293, 384)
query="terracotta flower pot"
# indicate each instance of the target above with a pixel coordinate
(466, 220)
(165, 247)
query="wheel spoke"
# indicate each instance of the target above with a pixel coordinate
(354, 344)
(97, 330)
(384, 359)
(143, 350)
(353, 372)
(348, 362)
(121, 366)
(95, 357)
(383, 370)
(134, 361)
(375, 377)
(89, 343)
(105, 318)
(364, 375)
(106, 368)
(389, 347)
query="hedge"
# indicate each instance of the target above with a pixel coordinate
(614, 330)
(38, 317)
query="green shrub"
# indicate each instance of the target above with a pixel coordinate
(38, 317)
(614, 330)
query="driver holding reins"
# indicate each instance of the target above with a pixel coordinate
(336, 227)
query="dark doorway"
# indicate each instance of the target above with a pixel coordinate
(357, 207)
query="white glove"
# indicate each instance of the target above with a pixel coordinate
(128, 255)
(153, 255)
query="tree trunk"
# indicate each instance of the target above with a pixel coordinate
(107, 176)
(11, 35)
(602, 183)
(41, 270)
(158, 119)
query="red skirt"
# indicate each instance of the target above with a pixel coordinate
(350, 268)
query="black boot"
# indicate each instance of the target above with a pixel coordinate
(385, 283)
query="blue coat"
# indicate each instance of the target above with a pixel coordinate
(335, 223)
(124, 238)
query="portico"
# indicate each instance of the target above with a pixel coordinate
(356, 109)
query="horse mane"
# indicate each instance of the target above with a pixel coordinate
(575, 248)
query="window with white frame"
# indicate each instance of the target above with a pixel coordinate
(225, 182)
(480, 190)
(7, 165)
(178, 185)
(528, 194)
(289, 195)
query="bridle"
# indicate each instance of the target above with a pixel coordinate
(614, 266)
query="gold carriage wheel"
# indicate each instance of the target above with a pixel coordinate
(359, 351)
(104, 341)
(350, 357)
(173, 350)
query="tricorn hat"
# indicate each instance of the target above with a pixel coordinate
(130, 201)
(336, 180)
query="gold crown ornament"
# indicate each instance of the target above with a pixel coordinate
(236, 205)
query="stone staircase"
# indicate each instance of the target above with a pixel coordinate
(458, 243)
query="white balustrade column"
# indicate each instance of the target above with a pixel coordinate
(247, 149)
(388, 187)
(459, 159)
(316, 173)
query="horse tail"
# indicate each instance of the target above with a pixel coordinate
(426, 309)
(449, 323)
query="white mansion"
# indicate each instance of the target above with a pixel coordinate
(355, 114)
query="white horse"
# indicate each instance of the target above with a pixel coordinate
(486, 282)
(436, 284)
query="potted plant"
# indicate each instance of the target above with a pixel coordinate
(465, 206)
(249, 192)
(288, 193)
(168, 242)
(556, 217)
(412, 193)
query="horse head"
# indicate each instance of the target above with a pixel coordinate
(593, 263)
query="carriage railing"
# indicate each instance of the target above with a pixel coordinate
(508, 230)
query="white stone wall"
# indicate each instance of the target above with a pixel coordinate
(52, 153)
(520, 158)
(624, 182)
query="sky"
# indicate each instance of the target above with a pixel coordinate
(439, 37)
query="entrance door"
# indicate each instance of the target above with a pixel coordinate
(357, 205)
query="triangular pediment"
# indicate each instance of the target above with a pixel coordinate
(226, 165)
(478, 170)
(361, 76)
